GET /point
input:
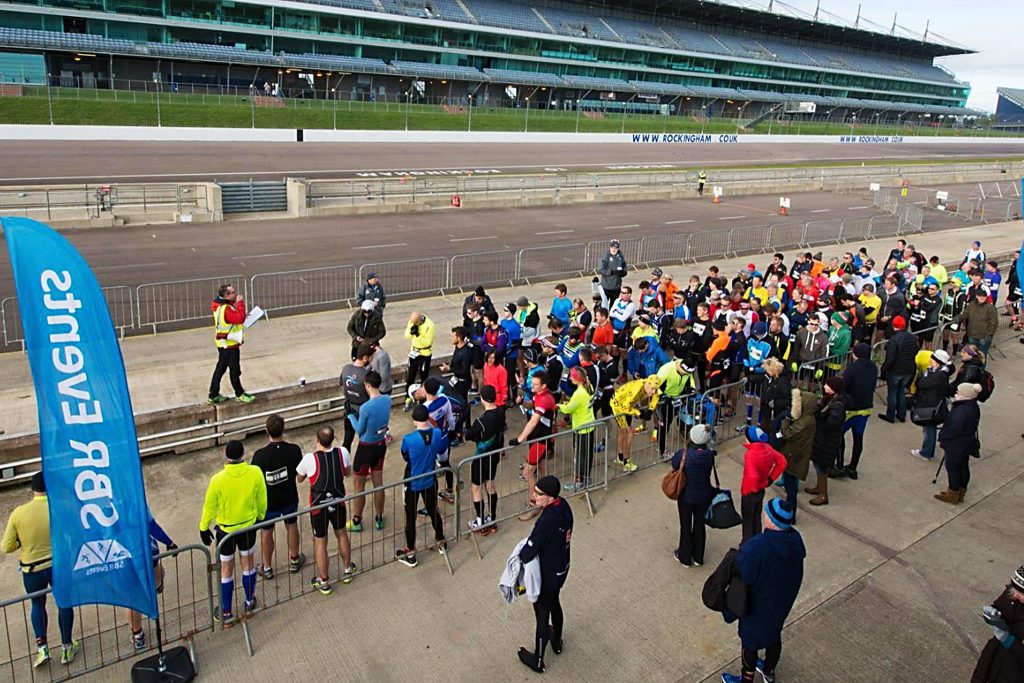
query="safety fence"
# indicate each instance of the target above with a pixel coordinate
(120, 301)
(71, 202)
(894, 201)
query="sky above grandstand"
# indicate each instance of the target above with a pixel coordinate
(991, 27)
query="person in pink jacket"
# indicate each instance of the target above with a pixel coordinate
(762, 464)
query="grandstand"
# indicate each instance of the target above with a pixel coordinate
(693, 56)
(1010, 109)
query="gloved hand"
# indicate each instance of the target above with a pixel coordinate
(513, 442)
(172, 546)
(206, 536)
(793, 367)
(414, 330)
(646, 414)
(818, 374)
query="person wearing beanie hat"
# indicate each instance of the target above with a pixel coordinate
(549, 544)
(373, 291)
(827, 446)
(762, 465)
(898, 370)
(697, 461)
(486, 431)
(612, 268)
(236, 498)
(959, 441)
(839, 339)
(860, 378)
(1002, 658)
(979, 320)
(514, 336)
(421, 450)
(477, 300)
(28, 533)
(717, 357)
(771, 564)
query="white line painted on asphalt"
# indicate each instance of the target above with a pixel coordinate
(731, 218)
(381, 246)
(857, 208)
(129, 265)
(553, 232)
(688, 220)
(622, 227)
(242, 258)
(821, 210)
(469, 239)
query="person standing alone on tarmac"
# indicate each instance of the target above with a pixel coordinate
(228, 322)
(612, 269)
(702, 179)
(28, 531)
(549, 543)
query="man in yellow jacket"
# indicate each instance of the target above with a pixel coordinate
(229, 328)
(420, 333)
(236, 498)
(28, 532)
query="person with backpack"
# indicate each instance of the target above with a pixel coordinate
(930, 402)
(771, 564)
(697, 460)
(972, 371)
(959, 441)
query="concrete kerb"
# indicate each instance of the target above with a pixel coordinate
(172, 369)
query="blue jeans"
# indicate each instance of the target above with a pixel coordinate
(857, 423)
(931, 433)
(896, 402)
(41, 580)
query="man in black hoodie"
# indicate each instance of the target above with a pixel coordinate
(898, 370)
(861, 376)
(549, 543)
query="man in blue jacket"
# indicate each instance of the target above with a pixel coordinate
(772, 566)
(549, 543)
(420, 450)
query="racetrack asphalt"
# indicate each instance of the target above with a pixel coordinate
(43, 161)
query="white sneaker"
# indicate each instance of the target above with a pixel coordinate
(475, 524)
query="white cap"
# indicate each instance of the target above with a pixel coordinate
(368, 305)
(413, 388)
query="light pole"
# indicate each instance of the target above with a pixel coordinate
(577, 115)
(853, 122)
(703, 117)
(527, 125)
(408, 101)
(470, 99)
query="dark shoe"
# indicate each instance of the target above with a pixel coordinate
(886, 418)
(530, 660)
(837, 473)
(675, 554)
(557, 645)
(812, 491)
(901, 420)
(852, 474)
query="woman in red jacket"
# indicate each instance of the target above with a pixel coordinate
(496, 375)
(762, 464)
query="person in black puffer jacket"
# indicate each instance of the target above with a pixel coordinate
(932, 391)
(861, 377)
(776, 400)
(959, 441)
(972, 368)
(898, 370)
(1002, 659)
(828, 435)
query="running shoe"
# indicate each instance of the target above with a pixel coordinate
(42, 656)
(409, 403)
(639, 428)
(355, 527)
(442, 548)
(250, 605)
(139, 641)
(600, 447)
(349, 573)
(266, 572)
(406, 557)
(68, 652)
(378, 522)
(654, 436)
(918, 454)
(767, 678)
(742, 428)
(219, 398)
(245, 398)
(321, 585)
(422, 512)
(447, 496)
(295, 566)
(731, 678)
(226, 618)
(476, 524)
(629, 466)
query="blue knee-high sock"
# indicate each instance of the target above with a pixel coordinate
(227, 589)
(249, 584)
(750, 412)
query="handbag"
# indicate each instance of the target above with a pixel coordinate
(721, 512)
(928, 415)
(674, 481)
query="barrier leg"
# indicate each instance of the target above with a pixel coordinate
(476, 544)
(590, 503)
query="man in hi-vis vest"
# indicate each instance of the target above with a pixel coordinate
(228, 318)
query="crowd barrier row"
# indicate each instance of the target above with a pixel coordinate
(93, 201)
(583, 459)
(176, 304)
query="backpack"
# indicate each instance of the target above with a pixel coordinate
(988, 385)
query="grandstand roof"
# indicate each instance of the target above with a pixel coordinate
(1015, 95)
(789, 21)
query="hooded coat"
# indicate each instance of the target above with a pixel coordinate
(839, 338)
(828, 430)
(799, 438)
(772, 565)
(999, 664)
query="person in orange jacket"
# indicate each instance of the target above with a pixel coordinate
(762, 465)
(228, 321)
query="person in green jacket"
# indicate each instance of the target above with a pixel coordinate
(839, 339)
(676, 382)
(236, 498)
(580, 409)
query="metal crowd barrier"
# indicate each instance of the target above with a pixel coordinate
(119, 301)
(371, 548)
(304, 288)
(102, 631)
(161, 303)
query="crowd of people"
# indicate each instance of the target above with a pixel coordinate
(783, 353)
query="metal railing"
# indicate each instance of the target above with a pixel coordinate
(304, 288)
(119, 301)
(162, 303)
(185, 602)
(94, 201)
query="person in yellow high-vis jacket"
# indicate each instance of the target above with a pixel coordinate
(228, 322)
(420, 333)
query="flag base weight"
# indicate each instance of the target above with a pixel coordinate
(170, 666)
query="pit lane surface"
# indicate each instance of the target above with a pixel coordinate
(64, 162)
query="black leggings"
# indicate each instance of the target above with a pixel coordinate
(772, 653)
(750, 510)
(584, 443)
(692, 532)
(548, 612)
(227, 359)
(419, 367)
(667, 414)
(429, 497)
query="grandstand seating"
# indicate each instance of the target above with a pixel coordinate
(507, 15)
(367, 5)
(595, 83)
(337, 63)
(448, 10)
(525, 77)
(641, 33)
(466, 73)
(578, 25)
